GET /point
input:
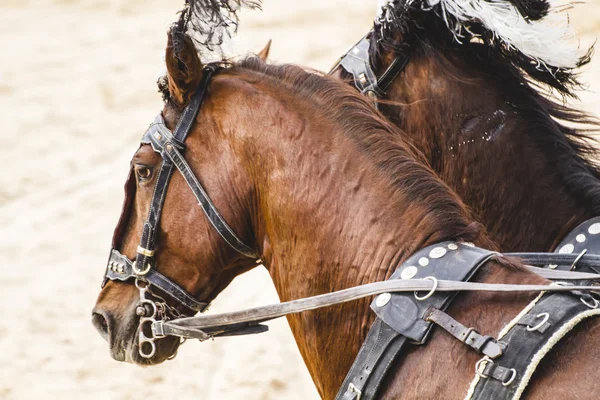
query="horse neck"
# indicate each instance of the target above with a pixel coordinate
(488, 151)
(327, 218)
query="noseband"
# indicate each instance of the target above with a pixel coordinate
(143, 270)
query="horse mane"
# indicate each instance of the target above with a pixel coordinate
(407, 27)
(540, 47)
(403, 166)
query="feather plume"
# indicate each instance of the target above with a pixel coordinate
(548, 40)
(211, 24)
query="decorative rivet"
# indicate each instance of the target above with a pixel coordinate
(580, 238)
(140, 311)
(452, 246)
(438, 252)
(567, 249)
(423, 261)
(362, 78)
(552, 266)
(409, 272)
(469, 244)
(157, 135)
(382, 299)
(594, 229)
(121, 268)
(169, 148)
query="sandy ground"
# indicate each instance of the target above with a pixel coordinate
(76, 92)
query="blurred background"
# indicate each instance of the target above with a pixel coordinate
(77, 90)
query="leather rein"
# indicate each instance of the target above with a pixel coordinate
(165, 320)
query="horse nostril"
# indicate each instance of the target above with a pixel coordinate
(101, 324)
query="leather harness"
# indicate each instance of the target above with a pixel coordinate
(405, 314)
(144, 270)
(506, 377)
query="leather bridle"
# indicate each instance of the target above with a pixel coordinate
(357, 62)
(143, 270)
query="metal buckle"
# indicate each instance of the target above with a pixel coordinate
(354, 389)
(478, 367)
(545, 316)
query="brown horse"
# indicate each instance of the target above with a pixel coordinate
(306, 171)
(475, 107)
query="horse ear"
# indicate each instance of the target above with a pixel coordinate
(184, 69)
(264, 53)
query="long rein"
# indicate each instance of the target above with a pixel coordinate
(248, 321)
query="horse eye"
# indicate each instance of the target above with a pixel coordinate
(143, 173)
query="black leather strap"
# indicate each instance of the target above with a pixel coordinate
(169, 145)
(483, 344)
(357, 62)
(120, 268)
(401, 317)
(586, 263)
(376, 355)
(553, 314)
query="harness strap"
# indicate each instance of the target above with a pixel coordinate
(587, 263)
(527, 339)
(374, 359)
(483, 344)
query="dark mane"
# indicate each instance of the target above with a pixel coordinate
(405, 24)
(401, 163)
(417, 32)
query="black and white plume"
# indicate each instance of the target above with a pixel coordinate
(548, 40)
(212, 24)
(538, 29)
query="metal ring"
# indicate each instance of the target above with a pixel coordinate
(512, 378)
(478, 365)
(431, 292)
(137, 284)
(545, 316)
(140, 272)
(577, 259)
(152, 348)
(595, 305)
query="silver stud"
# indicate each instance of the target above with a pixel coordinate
(452, 246)
(469, 244)
(121, 268)
(362, 78)
(580, 238)
(594, 229)
(409, 272)
(169, 148)
(423, 261)
(567, 249)
(552, 266)
(438, 252)
(157, 135)
(382, 299)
